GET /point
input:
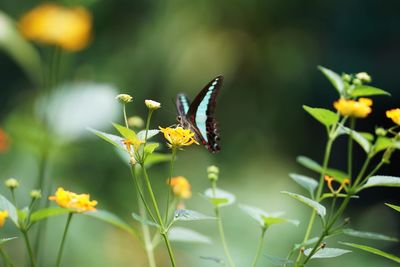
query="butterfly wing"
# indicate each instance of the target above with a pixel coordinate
(182, 105)
(201, 114)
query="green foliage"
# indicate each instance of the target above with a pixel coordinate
(47, 212)
(219, 197)
(190, 215)
(364, 90)
(142, 220)
(358, 137)
(381, 180)
(373, 251)
(324, 116)
(156, 158)
(368, 235)
(313, 165)
(382, 143)
(112, 139)
(5, 240)
(125, 132)
(321, 210)
(150, 147)
(334, 78)
(277, 261)
(397, 208)
(324, 253)
(306, 182)
(12, 211)
(150, 133)
(182, 234)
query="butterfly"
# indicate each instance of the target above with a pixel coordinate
(198, 116)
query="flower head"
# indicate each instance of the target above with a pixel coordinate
(124, 98)
(213, 172)
(3, 217)
(151, 104)
(4, 141)
(181, 187)
(353, 108)
(36, 194)
(178, 137)
(53, 24)
(394, 114)
(136, 121)
(11, 183)
(77, 202)
(364, 77)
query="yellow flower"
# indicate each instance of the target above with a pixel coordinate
(77, 202)
(3, 217)
(135, 143)
(181, 187)
(394, 114)
(178, 137)
(353, 108)
(53, 24)
(4, 141)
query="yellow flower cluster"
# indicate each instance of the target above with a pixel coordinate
(178, 137)
(77, 202)
(353, 108)
(3, 217)
(181, 187)
(394, 114)
(53, 24)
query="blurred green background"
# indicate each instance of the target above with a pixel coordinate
(268, 52)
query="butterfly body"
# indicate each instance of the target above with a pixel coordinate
(198, 116)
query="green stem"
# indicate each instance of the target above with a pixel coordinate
(125, 117)
(6, 258)
(362, 171)
(259, 247)
(147, 236)
(350, 148)
(169, 248)
(140, 193)
(29, 247)
(171, 171)
(148, 125)
(60, 251)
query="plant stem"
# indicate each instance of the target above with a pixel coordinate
(60, 251)
(140, 193)
(259, 247)
(147, 237)
(148, 125)
(6, 258)
(125, 117)
(350, 148)
(170, 252)
(29, 247)
(171, 171)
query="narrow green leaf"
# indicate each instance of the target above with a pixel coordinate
(125, 132)
(151, 133)
(112, 139)
(307, 243)
(364, 143)
(181, 234)
(150, 147)
(397, 208)
(370, 137)
(265, 219)
(331, 195)
(306, 182)
(190, 215)
(381, 180)
(321, 210)
(314, 166)
(277, 261)
(382, 143)
(373, 251)
(219, 197)
(5, 240)
(334, 78)
(326, 253)
(324, 116)
(48, 212)
(142, 220)
(8, 206)
(368, 235)
(365, 90)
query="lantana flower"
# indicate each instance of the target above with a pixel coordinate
(394, 114)
(3, 217)
(354, 108)
(4, 141)
(178, 137)
(181, 187)
(70, 200)
(69, 28)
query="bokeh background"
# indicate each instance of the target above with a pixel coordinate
(268, 52)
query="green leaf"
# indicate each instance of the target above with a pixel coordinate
(219, 197)
(181, 234)
(112, 219)
(150, 147)
(368, 235)
(307, 243)
(8, 206)
(190, 215)
(142, 220)
(324, 116)
(151, 133)
(370, 137)
(265, 219)
(330, 195)
(321, 210)
(277, 261)
(306, 182)
(381, 180)
(312, 165)
(373, 251)
(326, 253)
(382, 143)
(112, 139)
(334, 78)
(365, 90)
(5, 240)
(364, 143)
(156, 158)
(213, 259)
(48, 212)
(397, 208)
(125, 132)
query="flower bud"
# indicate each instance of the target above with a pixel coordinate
(346, 77)
(357, 81)
(132, 161)
(364, 77)
(136, 121)
(124, 98)
(36, 194)
(151, 104)
(213, 172)
(11, 183)
(380, 131)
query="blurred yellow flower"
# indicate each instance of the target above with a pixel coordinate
(3, 217)
(135, 143)
(69, 28)
(353, 108)
(394, 114)
(77, 202)
(181, 187)
(4, 141)
(178, 137)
